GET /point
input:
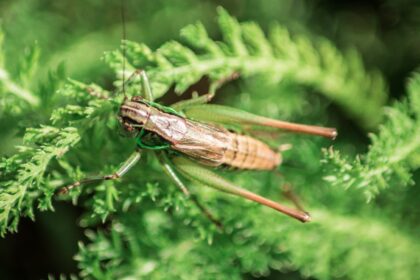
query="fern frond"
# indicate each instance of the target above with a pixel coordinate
(24, 176)
(23, 181)
(392, 155)
(18, 87)
(246, 50)
(157, 233)
(333, 246)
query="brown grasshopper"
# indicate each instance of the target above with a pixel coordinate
(191, 134)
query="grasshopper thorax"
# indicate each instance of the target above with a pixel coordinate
(134, 114)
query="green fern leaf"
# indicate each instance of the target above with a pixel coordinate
(392, 155)
(245, 50)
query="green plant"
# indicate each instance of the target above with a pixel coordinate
(15, 90)
(150, 230)
(393, 154)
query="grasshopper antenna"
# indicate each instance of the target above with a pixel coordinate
(124, 37)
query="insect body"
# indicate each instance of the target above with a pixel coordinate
(209, 144)
(191, 134)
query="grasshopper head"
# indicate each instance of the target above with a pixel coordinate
(134, 114)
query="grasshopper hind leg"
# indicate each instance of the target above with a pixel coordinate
(289, 194)
(203, 175)
(167, 167)
(232, 116)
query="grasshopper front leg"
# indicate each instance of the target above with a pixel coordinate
(145, 86)
(203, 99)
(203, 175)
(145, 90)
(124, 168)
(196, 100)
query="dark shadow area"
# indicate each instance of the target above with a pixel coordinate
(46, 246)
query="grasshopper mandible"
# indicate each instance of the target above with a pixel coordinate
(190, 135)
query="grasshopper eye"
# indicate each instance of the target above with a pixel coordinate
(137, 98)
(128, 129)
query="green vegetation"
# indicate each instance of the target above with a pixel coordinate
(361, 193)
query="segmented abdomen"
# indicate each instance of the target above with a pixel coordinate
(245, 152)
(212, 145)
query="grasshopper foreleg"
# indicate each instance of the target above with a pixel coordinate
(178, 182)
(205, 98)
(203, 175)
(124, 168)
(137, 73)
(145, 84)
(196, 100)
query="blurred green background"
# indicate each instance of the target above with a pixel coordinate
(76, 33)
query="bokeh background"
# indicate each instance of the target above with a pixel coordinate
(74, 34)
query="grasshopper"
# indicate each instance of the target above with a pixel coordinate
(190, 137)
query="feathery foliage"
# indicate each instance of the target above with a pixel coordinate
(245, 50)
(22, 175)
(25, 176)
(330, 247)
(393, 154)
(17, 89)
(143, 227)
